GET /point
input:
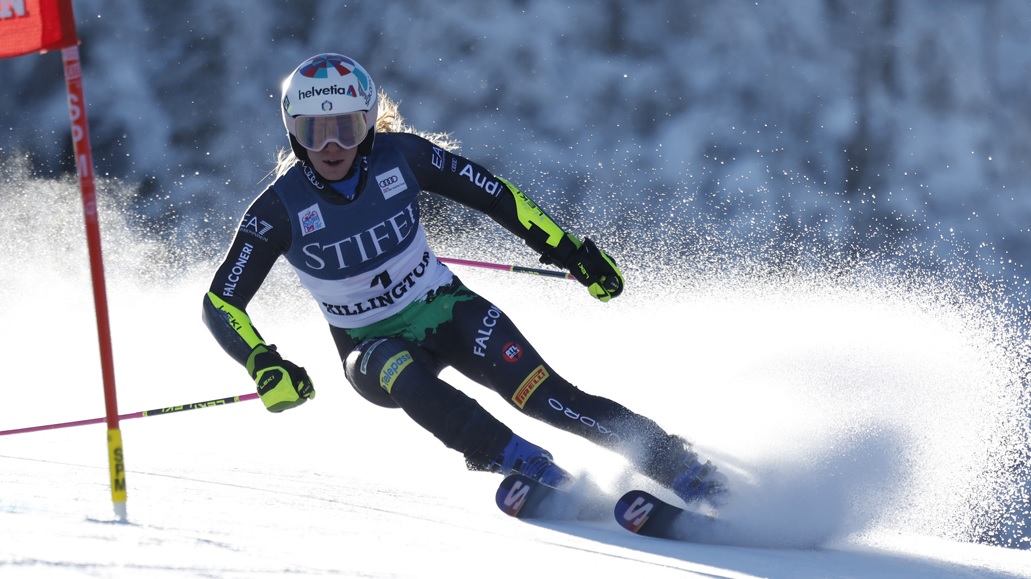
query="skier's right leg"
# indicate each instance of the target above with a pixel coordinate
(394, 373)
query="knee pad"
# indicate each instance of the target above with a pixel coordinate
(373, 366)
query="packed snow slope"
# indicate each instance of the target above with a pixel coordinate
(872, 424)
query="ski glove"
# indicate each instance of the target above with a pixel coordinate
(596, 270)
(281, 384)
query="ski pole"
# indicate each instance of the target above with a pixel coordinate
(512, 268)
(143, 414)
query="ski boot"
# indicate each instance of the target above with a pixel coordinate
(696, 481)
(528, 459)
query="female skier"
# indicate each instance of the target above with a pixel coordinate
(343, 209)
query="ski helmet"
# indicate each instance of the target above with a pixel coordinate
(329, 97)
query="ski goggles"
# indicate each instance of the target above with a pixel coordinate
(347, 130)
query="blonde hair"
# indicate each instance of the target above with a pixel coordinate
(388, 120)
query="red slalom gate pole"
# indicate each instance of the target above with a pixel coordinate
(39, 26)
(84, 168)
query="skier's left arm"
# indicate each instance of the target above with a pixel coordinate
(591, 266)
(470, 184)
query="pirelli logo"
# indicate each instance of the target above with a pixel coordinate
(527, 388)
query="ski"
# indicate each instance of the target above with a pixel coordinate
(636, 511)
(644, 514)
(524, 498)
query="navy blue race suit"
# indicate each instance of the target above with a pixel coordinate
(360, 249)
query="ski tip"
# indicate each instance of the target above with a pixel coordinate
(513, 493)
(645, 514)
(634, 509)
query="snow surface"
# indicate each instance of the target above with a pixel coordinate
(875, 419)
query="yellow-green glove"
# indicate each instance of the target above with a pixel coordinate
(596, 270)
(281, 383)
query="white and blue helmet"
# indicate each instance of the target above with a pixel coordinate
(329, 97)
